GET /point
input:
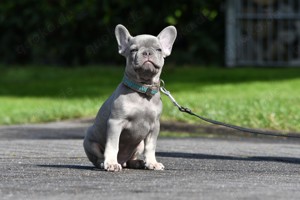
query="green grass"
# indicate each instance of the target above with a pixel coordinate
(252, 97)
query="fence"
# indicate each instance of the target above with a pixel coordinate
(263, 33)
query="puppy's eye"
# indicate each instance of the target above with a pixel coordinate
(133, 50)
(159, 50)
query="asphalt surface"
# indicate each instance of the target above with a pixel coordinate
(47, 161)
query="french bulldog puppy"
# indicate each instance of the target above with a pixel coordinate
(127, 125)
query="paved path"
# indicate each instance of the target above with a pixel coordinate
(38, 162)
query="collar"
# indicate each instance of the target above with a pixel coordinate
(149, 90)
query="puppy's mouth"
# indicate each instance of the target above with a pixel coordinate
(147, 69)
(149, 63)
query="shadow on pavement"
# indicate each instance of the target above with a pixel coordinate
(289, 160)
(69, 167)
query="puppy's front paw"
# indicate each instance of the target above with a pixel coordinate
(154, 166)
(112, 167)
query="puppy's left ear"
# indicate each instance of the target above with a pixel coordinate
(166, 38)
(123, 36)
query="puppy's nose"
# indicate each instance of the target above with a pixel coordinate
(146, 53)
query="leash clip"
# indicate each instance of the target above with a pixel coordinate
(168, 93)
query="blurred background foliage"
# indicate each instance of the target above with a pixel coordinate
(70, 33)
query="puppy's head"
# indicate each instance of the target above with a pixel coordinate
(145, 53)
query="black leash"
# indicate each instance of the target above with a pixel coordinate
(248, 130)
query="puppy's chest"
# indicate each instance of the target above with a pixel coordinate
(142, 115)
(143, 111)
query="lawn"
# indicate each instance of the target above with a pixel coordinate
(252, 97)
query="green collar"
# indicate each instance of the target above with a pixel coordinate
(149, 90)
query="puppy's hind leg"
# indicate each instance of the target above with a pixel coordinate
(94, 153)
(134, 162)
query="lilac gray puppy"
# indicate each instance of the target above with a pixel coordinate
(127, 125)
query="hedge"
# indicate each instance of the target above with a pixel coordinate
(62, 32)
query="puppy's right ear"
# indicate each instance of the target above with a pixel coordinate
(123, 37)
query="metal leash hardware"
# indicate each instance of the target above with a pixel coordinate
(239, 128)
(168, 93)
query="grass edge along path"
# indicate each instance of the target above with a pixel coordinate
(252, 97)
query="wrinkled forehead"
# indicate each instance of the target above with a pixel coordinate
(145, 40)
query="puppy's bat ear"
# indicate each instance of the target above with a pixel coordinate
(123, 36)
(166, 38)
